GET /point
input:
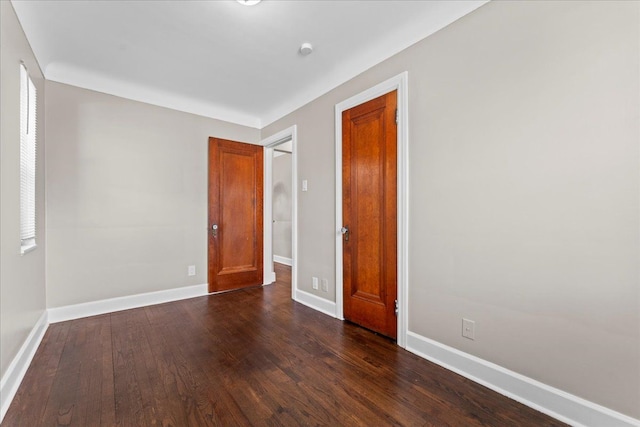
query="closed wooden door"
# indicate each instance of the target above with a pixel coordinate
(235, 215)
(369, 193)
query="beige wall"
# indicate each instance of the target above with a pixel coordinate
(282, 205)
(22, 277)
(524, 190)
(126, 195)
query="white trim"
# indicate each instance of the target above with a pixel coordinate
(401, 84)
(87, 79)
(94, 308)
(320, 304)
(290, 133)
(283, 260)
(269, 278)
(267, 213)
(549, 400)
(30, 247)
(18, 367)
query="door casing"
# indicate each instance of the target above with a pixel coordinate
(269, 143)
(399, 83)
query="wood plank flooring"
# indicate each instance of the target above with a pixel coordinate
(251, 357)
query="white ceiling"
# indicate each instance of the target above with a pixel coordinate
(222, 59)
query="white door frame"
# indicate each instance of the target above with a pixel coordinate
(399, 83)
(269, 143)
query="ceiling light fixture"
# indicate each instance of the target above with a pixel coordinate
(249, 2)
(306, 49)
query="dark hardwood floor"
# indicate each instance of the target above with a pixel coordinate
(250, 357)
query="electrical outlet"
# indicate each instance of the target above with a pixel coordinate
(468, 329)
(325, 285)
(315, 282)
(304, 185)
(191, 270)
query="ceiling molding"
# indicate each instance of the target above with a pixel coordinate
(75, 76)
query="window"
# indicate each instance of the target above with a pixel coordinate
(27, 162)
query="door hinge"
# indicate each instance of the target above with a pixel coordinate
(396, 116)
(397, 309)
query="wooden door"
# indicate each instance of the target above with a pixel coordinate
(235, 215)
(369, 187)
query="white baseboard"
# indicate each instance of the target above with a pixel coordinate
(320, 304)
(546, 399)
(283, 260)
(94, 308)
(18, 368)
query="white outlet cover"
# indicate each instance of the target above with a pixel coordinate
(325, 285)
(469, 329)
(191, 270)
(315, 282)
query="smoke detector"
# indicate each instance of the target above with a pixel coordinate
(306, 49)
(249, 2)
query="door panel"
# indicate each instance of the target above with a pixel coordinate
(369, 163)
(235, 208)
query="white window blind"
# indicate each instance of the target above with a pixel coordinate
(27, 161)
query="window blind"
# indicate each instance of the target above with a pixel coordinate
(27, 159)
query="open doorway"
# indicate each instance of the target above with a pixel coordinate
(280, 204)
